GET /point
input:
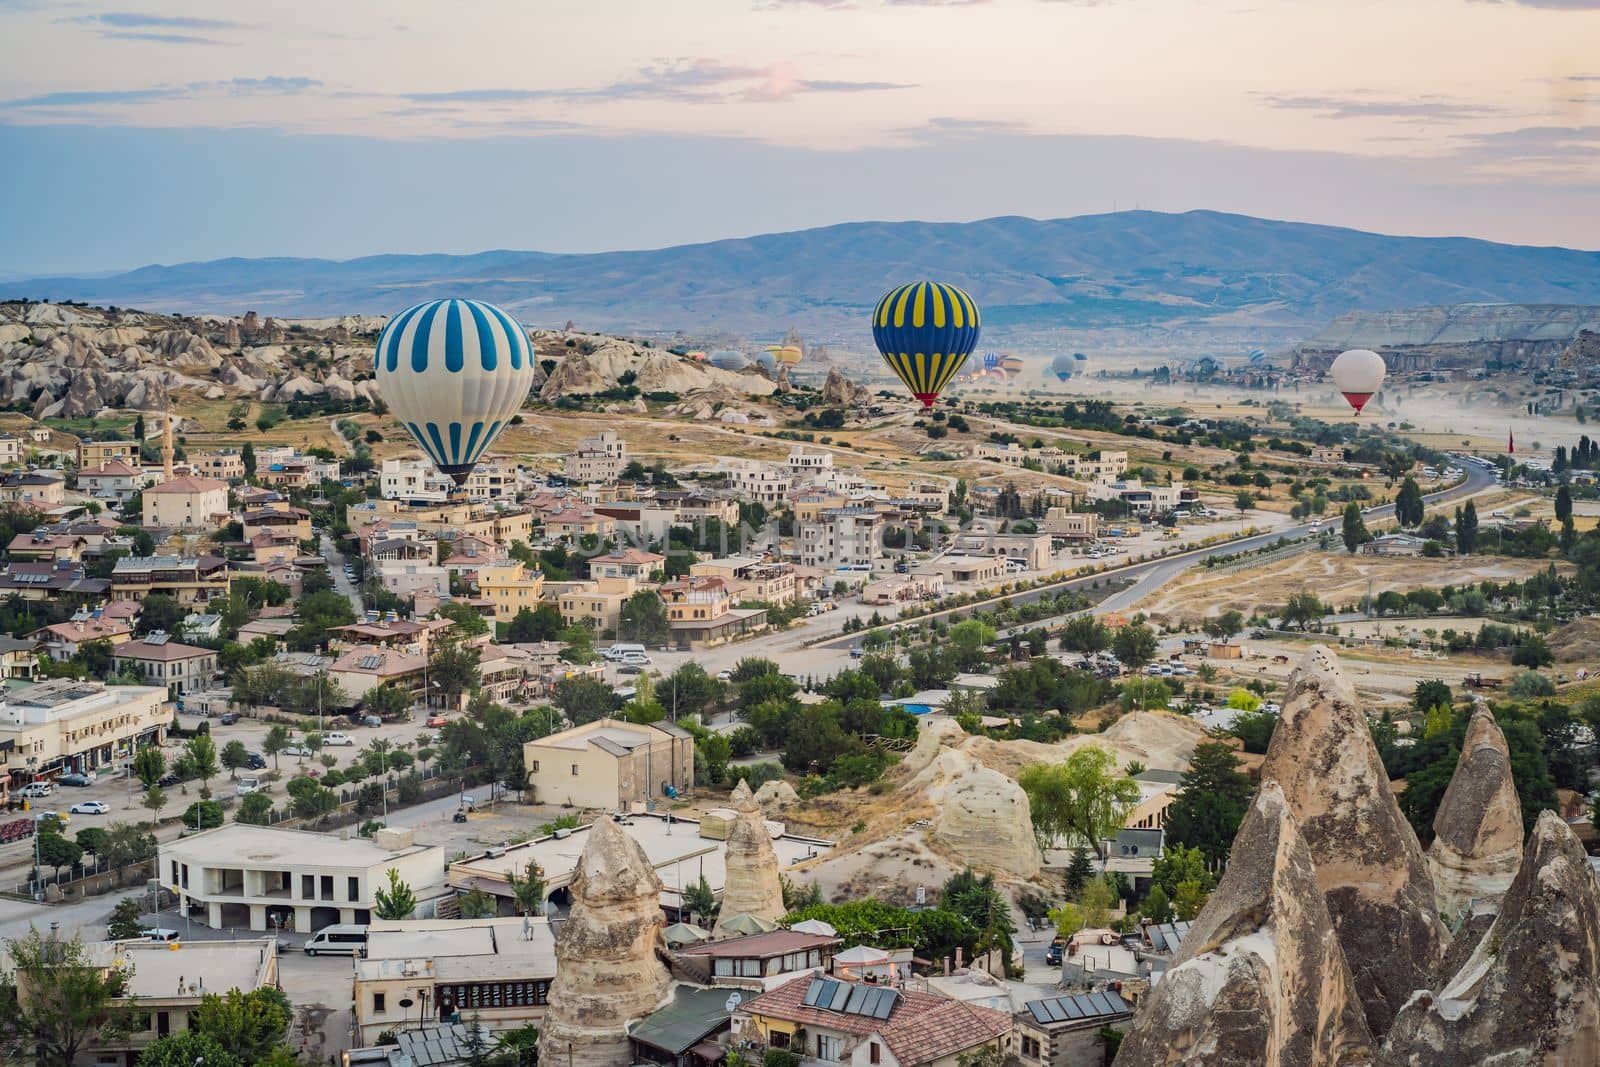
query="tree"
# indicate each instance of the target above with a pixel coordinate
(454, 671)
(1189, 899)
(254, 809)
(276, 741)
(149, 765)
(1532, 651)
(1408, 506)
(202, 754)
(247, 456)
(1079, 871)
(1086, 634)
(1085, 798)
(396, 902)
(527, 889)
(202, 815)
(56, 852)
(1431, 693)
(644, 619)
(469, 621)
(311, 802)
(1212, 799)
(1354, 529)
(1563, 504)
(1135, 645)
(699, 901)
(247, 1026)
(318, 613)
(1244, 500)
(985, 908)
(93, 839)
(1095, 902)
(1467, 528)
(689, 690)
(386, 701)
(235, 756)
(1303, 609)
(583, 700)
(124, 924)
(154, 800)
(1180, 864)
(1156, 907)
(476, 904)
(127, 843)
(69, 999)
(1224, 626)
(541, 624)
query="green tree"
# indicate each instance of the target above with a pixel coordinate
(1135, 645)
(127, 843)
(583, 700)
(56, 852)
(93, 839)
(1408, 505)
(187, 1048)
(254, 809)
(968, 641)
(1084, 799)
(247, 455)
(1563, 504)
(1095, 902)
(469, 621)
(527, 889)
(275, 742)
(454, 671)
(154, 800)
(202, 754)
(396, 902)
(1086, 634)
(1179, 864)
(318, 613)
(1189, 899)
(248, 1026)
(1079, 871)
(1212, 799)
(124, 924)
(1303, 609)
(387, 701)
(644, 619)
(1156, 907)
(476, 904)
(540, 624)
(1467, 528)
(1431, 693)
(1354, 528)
(700, 902)
(1225, 626)
(70, 1000)
(235, 756)
(149, 765)
(985, 908)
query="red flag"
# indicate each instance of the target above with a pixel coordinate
(1511, 443)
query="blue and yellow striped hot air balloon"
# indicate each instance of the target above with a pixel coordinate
(454, 372)
(925, 331)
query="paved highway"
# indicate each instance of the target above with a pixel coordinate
(1151, 575)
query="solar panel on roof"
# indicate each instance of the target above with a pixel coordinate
(814, 992)
(370, 663)
(840, 997)
(886, 1003)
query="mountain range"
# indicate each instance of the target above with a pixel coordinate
(1143, 271)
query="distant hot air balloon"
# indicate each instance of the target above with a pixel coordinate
(925, 331)
(729, 359)
(768, 362)
(1258, 356)
(697, 356)
(991, 361)
(453, 372)
(1012, 364)
(1062, 367)
(1358, 374)
(1080, 364)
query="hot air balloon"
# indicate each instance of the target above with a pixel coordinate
(1012, 364)
(697, 356)
(1062, 367)
(925, 331)
(454, 372)
(1358, 374)
(991, 360)
(729, 359)
(768, 362)
(1080, 364)
(1258, 356)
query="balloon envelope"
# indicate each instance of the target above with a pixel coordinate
(1012, 364)
(1063, 367)
(925, 332)
(1358, 374)
(729, 359)
(453, 372)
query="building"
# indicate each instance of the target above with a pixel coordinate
(404, 634)
(406, 578)
(609, 764)
(684, 1032)
(189, 580)
(510, 587)
(365, 667)
(116, 481)
(1065, 1031)
(244, 876)
(49, 580)
(421, 971)
(1395, 544)
(10, 449)
(1327, 454)
(595, 604)
(159, 660)
(19, 658)
(40, 545)
(757, 962)
(630, 563)
(277, 519)
(806, 466)
(863, 1023)
(1065, 525)
(188, 503)
(64, 725)
(39, 489)
(842, 538)
(1031, 550)
(759, 482)
(598, 459)
(751, 578)
(572, 524)
(62, 640)
(700, 611)
(92, 453)
(226, 465)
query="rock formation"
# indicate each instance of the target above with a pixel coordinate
(840, 390)
(608, 972)
(1369, 864)
(1261, 978)
(776, 795)
(1530, 991)
(753, 884)
(984, 819)
(1477, 840)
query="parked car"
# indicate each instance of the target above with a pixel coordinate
(1052, 955)
(34, 790)
(77, 780)
(338, 739)
(630, 669)
(248, 786)
(168, 780)
(436, 720)
(90, 807)
(229, 718)
(724, 675)
(297, 750)
(255, 761)
(371, 720)
(41, 816)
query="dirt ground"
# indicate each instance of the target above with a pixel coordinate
(1385, 676)
(1336, 576)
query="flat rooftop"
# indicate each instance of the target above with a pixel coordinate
(210, 966)
(260, 846)
(455, 948)
(675, 849)
(617, 735)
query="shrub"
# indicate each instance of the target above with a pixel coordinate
(203, 815)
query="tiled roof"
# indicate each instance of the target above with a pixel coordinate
(921, 1028)
(166, 652)
(773, 943)
(189, 485)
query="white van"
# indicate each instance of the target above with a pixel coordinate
(617, 653)
(337, 940)
(162, 933)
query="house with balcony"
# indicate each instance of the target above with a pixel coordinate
(700, 612)
(159, 660)
(751, 578)
(510, 587)
(117, 481)
(631, 563)
(189, 580)
(63, 725)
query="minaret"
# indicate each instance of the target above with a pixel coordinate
(166, 444)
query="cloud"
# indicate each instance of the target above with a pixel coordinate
(1535, 143)
(851, 87)
(134, 20)
(160, 38)
(92, 97)
(268, 86)
(1422, 109)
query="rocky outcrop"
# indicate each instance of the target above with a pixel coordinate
(1261, 978)
(595, 364)
(753, 884)
(1369, 864)
(776, 795)
(984, 819)
(1530, 991)
(607, 969)
(1477, 842)
(840, 390)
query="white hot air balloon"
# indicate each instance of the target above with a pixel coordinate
(1358, 374)
(454, 372)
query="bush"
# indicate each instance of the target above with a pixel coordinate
(780, 1057)
(1530, 684)
(757, 775)
(203, 815)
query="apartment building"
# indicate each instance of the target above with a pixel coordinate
(117, 482)
(609, 764)
(63, 725)
(1071, 525)
(10, 449)
(189, 580)
(763, 483)
(159, 660)
(510, 587)
(596, 604)
(245, 877)
(39, 489)
(419, 972)
(631, 563)
(751, 578)
(598, 459)
(280, 519)
(188, 503)
(407, 578)
(92, 453)
(363, 668)
(842, 538)
(227, 465)
(700, 611)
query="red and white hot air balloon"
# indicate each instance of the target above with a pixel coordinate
(1358, 374)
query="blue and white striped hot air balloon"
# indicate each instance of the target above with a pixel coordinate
(454, 372)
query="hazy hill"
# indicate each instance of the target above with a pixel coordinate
(1129, 269)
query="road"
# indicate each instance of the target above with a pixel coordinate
(336, 561)
(1153, 574)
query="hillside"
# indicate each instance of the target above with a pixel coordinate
(1464, 335)
(1128, 271)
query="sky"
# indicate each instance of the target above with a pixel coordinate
(158, 131)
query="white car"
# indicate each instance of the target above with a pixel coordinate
(724, 675)
(248, 786)
(90, 807)
(297, 750)
(339, 739)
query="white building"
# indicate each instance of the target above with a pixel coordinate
(117, 481)
(598, 459)
(407, 578)
(245, 876)
(65, 725)
(186, 504)
(494, 478)
(763, 483)
(842, 537)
